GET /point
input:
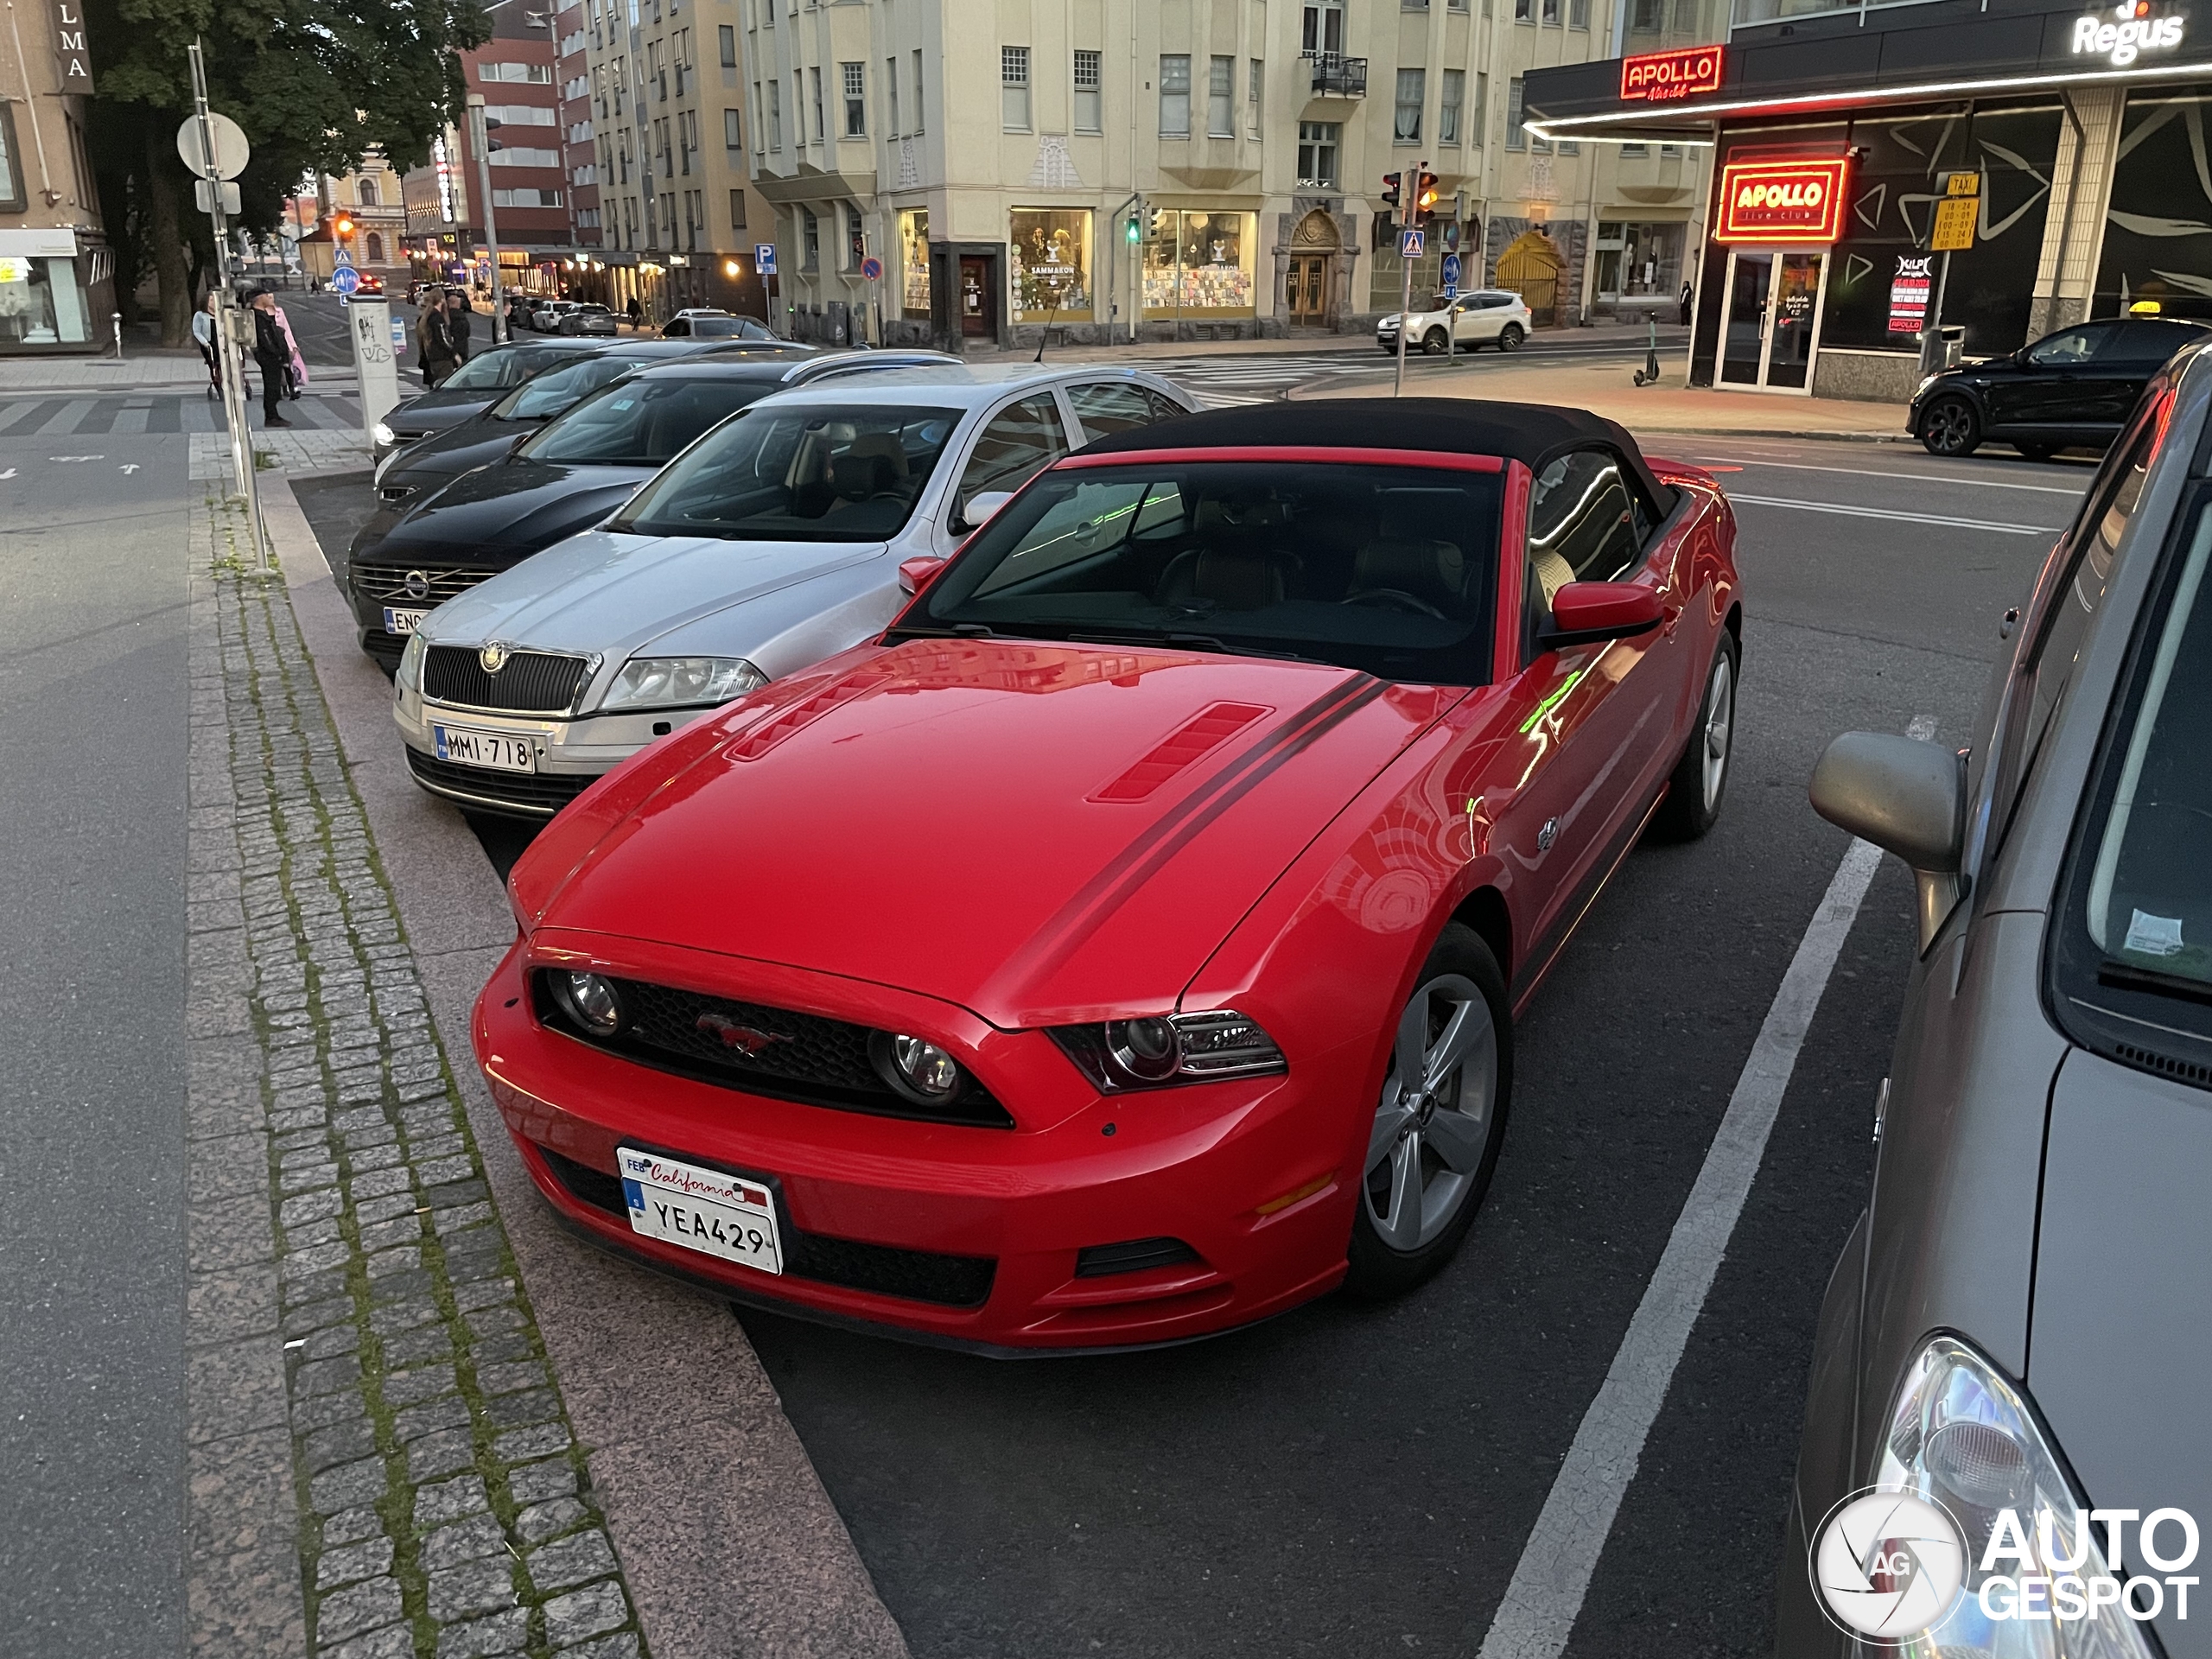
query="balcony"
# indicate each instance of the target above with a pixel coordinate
(1337, 76)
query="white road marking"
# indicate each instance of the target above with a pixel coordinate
(1916, 477)
(11, 472)
(70, 460)
(129, 466)
(1902, 518)
(1552, 1576)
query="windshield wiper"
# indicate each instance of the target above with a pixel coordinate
(1200, 641)
(2128, 976)
(951, 631)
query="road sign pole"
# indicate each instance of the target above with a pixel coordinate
(480, 136)
(1406, 244)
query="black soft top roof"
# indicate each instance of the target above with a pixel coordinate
(1533, 434)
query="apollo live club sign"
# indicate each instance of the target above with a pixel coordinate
(1784, 201)
(1662, 77)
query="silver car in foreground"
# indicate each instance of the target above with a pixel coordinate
(2018, 1335)
(773, 541)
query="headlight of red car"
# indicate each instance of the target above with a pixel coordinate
(1158, 1051)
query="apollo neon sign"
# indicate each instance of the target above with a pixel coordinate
(2126, 31)
(1783, 202)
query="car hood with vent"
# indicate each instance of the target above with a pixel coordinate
(612, 595)
(1038, 832)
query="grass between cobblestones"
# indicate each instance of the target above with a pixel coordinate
(445, 1504)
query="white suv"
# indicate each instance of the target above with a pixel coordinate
(773, 541)
(1485, 317)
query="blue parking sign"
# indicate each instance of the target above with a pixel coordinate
(764, 257)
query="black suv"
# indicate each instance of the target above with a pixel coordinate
(2075, 387)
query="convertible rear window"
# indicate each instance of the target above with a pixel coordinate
(798, 473)
(1389, 569)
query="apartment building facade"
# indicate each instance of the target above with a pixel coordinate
(678, 216)
(57, 271)
(579, 131)
(1106, 169)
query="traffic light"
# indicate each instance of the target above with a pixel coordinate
(1135, 233)
(1390, 182)
(1424, 200)
(342, 227)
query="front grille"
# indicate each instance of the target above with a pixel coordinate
(386, 648)
(387, 583)
(396, 492)
(881, 1269)
(528, 682)
(1102, 1261)
(773, 1051)
(524, 794)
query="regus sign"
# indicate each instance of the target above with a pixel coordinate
(2127, 31)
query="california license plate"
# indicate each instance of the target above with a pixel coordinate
(702, 1209)
(397, 621)
(495, 751)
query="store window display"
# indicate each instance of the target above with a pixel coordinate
(914, 262)
(40, 304)
(1051, 265)
(1199, 264)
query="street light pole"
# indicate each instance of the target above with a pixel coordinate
(227, 318)
(479, 135)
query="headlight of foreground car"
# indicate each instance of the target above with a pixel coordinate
(1155, 1051)
(1962, 1438)
(681, 682)
(917, 1069)
(591, 1000)
(383, 434)
(407, 677)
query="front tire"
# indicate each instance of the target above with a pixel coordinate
(1700, 777)
(1435, 342)
(1435, 1135)
(1950, 428)
(1510, 337)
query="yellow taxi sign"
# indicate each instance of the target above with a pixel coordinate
(1963, 184)
(1955, 221)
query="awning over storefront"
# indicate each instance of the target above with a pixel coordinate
(1861, 58)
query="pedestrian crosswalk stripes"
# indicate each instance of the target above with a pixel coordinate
(132, 415)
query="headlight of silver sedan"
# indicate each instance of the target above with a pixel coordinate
(409, 676)
(680, 682)
(2036, 1584)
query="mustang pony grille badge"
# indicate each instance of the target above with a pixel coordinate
(745, 1039)
(492, 658)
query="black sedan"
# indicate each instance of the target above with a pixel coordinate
(483, 380)
(563, 478)
(2072, 388)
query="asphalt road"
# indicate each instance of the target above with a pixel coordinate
(93, 892)
(1361, 1481)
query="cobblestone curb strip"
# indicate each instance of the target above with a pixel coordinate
(379, 1464)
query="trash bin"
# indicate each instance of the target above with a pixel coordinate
(1941, 346)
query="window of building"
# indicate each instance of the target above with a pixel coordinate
(1199, 264)
(891, 98)
(918, 105)
(856, 238)
(1447, 110)
(737, 210)
(1647, 16)
(1013, 88)
(855, 76)
(1254, 78)
(734, 131)
(1551, 13)
(366, 190)
(821, 126)
(1480, 121)
(1221, 98)
(727, 36)
(914, 262)
(1411, 86)
(1051, 250)
(1636, 149)
(776, 116)
(1088, 66)
(1524, 11)
(1321, 32)
(376, 248)
(1319, 145)
(1578, 14)
(1175, 96)
(1515, 137)
(810, 256)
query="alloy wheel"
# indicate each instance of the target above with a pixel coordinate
(1719, 722)
(1433, 1123)
(1949, 427)
(1509, 339)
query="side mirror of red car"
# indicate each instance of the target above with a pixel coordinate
(1584, 611)
(914, 575)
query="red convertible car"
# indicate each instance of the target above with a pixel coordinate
(1125, 946)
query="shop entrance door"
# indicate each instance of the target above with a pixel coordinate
(1772, 318)
(978, 308)
(1309, 289)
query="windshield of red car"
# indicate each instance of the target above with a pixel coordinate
(804, 472)
(1392, 570)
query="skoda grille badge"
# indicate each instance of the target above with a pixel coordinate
(492, 658)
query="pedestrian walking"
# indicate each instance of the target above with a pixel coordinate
(271, 351)
(435, 343)
(1686, 305)
(461, 316)
(295, 364)
(205, 323)
(635, 310)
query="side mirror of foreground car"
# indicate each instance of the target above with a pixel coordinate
(981, 508)
(1584, 611)
(1908, 797)
(914, 575)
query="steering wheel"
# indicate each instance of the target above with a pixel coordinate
(1398, 600)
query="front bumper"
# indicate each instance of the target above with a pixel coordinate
(882, 1207)
(572, 753)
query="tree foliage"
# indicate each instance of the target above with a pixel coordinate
(315, 83)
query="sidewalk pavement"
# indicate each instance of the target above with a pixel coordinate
(581, 1402)
(1627, 337)
(1608, 389)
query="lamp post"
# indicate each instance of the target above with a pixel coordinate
(480, 136)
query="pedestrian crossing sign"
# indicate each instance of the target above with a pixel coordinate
(1411, 244)
(341, 257)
